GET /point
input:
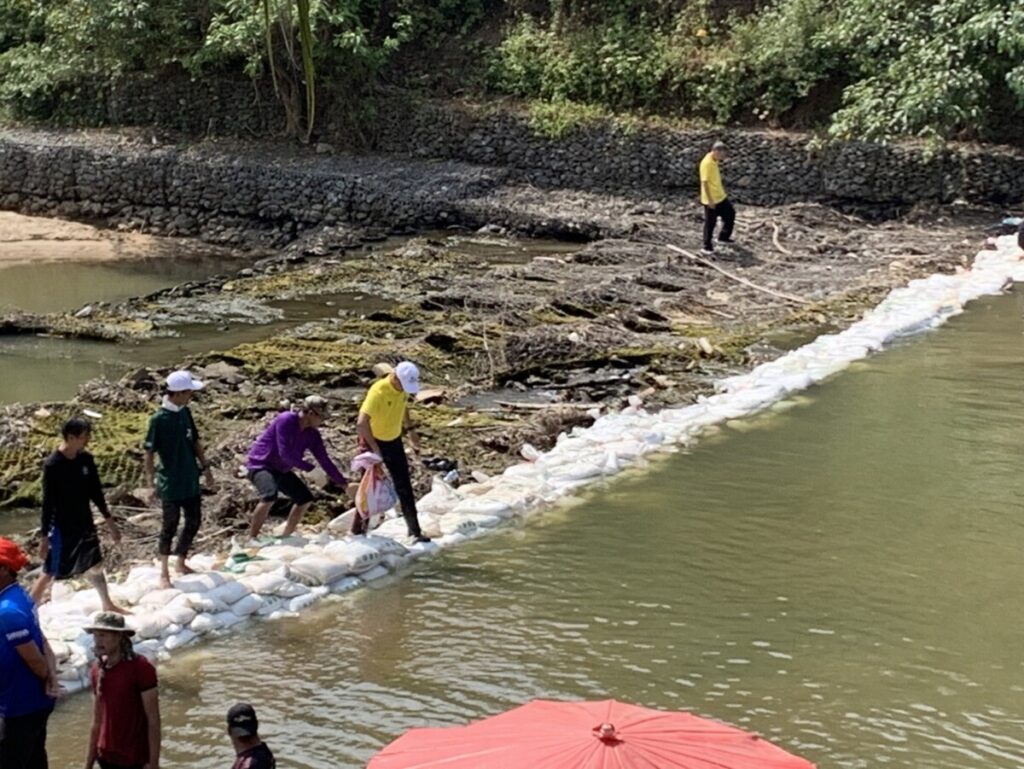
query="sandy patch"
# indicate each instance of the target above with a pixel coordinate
(29, 239)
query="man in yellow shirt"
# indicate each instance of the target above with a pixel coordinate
(714, 199)
(383, 417)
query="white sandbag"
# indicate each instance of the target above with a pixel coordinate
(227, 619)
(455, 522)
(355, 556)
(182, 638)
(264, 584)
(480, 506)
(531, 471)
(148, 649)
(385, 545)
(449, 540)
(229, 592)
(281, 614)
(484, 521)
(273, 603)
(264, 566)
(201, 583)
(341, 524)
(204, 604)
(140, 580)
(377, 572)
(69, 675)
(440, 499)
(157, 598)
(318, 570)
(88, 601)
(204, 623)
(304, 601)
(179, 613)
(286, 553)
(344, 585)
(61, 651)
(395, 528)
(578, 471)
(248, 605)
(394, 562)
(150, 624)
(203, 562)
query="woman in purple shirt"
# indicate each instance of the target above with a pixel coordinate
(278, 452)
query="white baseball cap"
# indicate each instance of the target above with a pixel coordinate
(409, 376)
(182, 381)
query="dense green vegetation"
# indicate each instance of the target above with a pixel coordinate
(860, 68)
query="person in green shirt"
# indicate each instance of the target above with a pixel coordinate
(174, 438)
(714, 199)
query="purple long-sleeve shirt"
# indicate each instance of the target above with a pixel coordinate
(283, 444)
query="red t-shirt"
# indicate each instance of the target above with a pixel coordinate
(124, 735)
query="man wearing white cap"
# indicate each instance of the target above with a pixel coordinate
(174, 438)
(383, 417)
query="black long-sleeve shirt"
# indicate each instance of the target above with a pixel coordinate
(68, 487)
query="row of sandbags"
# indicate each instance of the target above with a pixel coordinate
(284, 578)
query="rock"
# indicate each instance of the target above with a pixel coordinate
(323, 148)
(85, 312)
(705, 346)
(222, 371)
(42, 413)
(435, 395)
(382, 369)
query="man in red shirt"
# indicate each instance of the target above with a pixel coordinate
(126, 716)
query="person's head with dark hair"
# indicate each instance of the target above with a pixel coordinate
(76, 433)
(243, 728)
(76, 427)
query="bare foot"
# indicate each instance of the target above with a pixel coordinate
(117, 609)
(184, 568)
(165, 582)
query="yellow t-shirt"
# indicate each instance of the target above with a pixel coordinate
(709, 173)
(386, 408)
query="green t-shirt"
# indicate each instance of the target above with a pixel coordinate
(172, 437)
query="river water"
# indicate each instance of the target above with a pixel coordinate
(843, 575)
(51, 368)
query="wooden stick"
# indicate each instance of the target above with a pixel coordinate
(541, 406)
(775, 240)
(737, 278)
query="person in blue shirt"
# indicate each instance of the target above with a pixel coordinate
(28, 670)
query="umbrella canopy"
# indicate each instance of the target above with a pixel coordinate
(585, 735)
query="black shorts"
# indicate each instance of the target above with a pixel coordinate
(72, 553)
(269, 484)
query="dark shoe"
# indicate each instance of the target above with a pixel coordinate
(418, 538)
(726, 240)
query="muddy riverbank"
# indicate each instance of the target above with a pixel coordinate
(513, 351)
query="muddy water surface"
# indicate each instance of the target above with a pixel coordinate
(843, 576)
(51, 369)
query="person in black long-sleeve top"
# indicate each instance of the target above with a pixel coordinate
(69, 543)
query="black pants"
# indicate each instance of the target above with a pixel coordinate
(107, 765)
(172, 514)
(24, 741)
(393, 454)
(727, 213)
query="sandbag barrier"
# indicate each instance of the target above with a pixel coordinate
(283, 579)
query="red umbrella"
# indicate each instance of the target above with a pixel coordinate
(585, 735)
